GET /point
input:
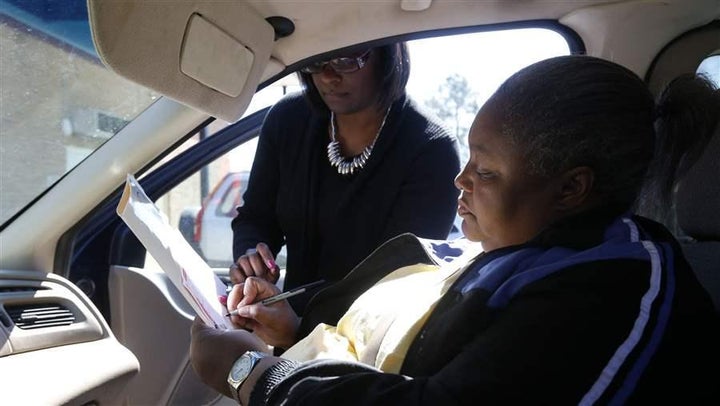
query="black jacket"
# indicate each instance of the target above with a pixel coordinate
(596, 309)
(330, 222)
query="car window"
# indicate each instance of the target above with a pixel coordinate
(450, 76)
(453, 76)
(59, 103)
(710, 67)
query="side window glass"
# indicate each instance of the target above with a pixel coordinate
(710, 67)
(453, 76)
(450, 76)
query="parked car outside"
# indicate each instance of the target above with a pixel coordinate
(207, 227)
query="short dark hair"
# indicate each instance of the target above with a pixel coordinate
(392, 72)
(572, 111)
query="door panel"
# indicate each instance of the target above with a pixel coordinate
(55, 347)
(152, 319)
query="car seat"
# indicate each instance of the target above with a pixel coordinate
(697, 210)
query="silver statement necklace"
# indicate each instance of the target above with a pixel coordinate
(348, 166)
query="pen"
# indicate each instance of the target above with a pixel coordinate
(283, 295)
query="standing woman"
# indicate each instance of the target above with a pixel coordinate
(341, 168)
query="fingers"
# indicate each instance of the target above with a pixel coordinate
(202, 359)
(258, 262)
(269, 261)
(235, 296)
(235, 275)
(246, 266)
(213, 351)
(276, 324)
(251, 291)
(255, 289)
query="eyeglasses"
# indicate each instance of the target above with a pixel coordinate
(348, 64)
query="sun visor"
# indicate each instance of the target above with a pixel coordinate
(207, 55)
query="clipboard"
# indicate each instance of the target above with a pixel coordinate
(192, 276)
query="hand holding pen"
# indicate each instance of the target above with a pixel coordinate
(283, 295)
(276, 325)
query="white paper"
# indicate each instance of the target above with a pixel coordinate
(186, 269)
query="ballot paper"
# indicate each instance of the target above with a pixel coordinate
(186, 269)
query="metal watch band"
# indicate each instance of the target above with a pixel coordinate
(245, 363)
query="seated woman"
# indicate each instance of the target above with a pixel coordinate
(573, 300)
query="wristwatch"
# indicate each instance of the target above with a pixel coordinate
(242, 367)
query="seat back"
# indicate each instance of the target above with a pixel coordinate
(698, 216)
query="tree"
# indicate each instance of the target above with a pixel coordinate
(456, 105)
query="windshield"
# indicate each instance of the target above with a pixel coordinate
(58, 103)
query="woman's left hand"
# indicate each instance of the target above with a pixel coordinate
(213, 351)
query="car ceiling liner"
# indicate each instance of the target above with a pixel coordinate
(212, 55)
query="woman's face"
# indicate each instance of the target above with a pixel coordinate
(347, 93)
(501, 203)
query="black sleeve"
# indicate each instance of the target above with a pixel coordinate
(427, 200)
(279, 380)
(257, 219)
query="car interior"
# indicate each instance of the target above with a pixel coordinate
(86, 316)
(697, 218)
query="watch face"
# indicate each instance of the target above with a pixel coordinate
(241, 369)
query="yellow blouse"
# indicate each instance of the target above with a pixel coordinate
(380, 325)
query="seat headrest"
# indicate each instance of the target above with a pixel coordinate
(698, 195)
